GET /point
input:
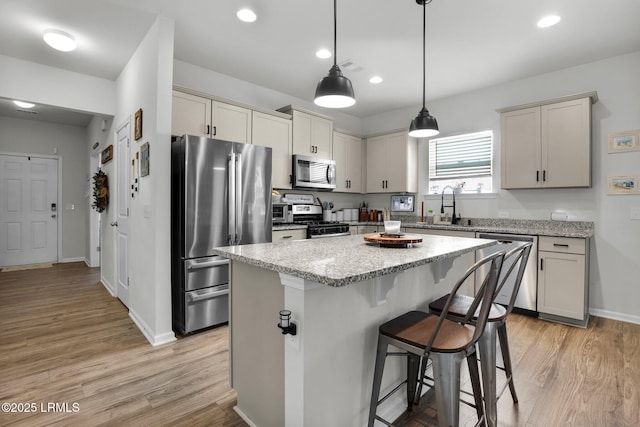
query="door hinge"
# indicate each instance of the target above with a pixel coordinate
(127, 281)
(98, 248)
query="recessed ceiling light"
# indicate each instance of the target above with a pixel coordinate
(548, 21)
(323, 53)
(246, 15)
(375, 80)
(23, 104)
(60, 40)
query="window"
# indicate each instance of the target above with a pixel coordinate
(463, 161)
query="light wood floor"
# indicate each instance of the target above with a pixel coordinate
(63, 338)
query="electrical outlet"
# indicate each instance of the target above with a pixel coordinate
(635, 214)
(293, 341)
(503, 214)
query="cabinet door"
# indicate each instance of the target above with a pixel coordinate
(322, 137)
(275, 132)
(561, 284)
(340, 145)
(520, 149)
(566, 144)
(397, 163)
(354, 164)
(231, 123)
(191, 115)
(376, 164)
(302, 134)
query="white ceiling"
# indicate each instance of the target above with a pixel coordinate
(471, 44)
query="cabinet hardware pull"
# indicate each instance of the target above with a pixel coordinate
(541, 264)
(208, 129)
(544, 175)
(537, 176)
(215, 131)
(382, 183)
(287, 237)
(559, 245)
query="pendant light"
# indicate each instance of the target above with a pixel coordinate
(424, 125)
(335, 90)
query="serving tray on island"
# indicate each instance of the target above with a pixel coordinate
(391, 240)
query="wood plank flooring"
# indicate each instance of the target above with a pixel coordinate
(64, 339)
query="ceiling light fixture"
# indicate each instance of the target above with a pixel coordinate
(548, 21)
(375, 80)
(424, 125)
(23, 104)
(335, 90)
(246, 15)
(323, 53)
(60, 40)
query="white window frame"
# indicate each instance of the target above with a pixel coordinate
(459, 181)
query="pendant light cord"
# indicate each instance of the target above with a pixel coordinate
(335, 33)
(424, 51)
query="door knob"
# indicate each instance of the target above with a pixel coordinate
(114, 224)
(53, 215)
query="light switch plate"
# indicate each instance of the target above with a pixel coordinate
(635, 213)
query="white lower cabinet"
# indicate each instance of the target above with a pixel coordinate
(563, 292)
(288, 235)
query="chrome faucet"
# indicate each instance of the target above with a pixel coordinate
(454, 219)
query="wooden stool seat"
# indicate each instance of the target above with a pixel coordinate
(460, 306)
(416, 328)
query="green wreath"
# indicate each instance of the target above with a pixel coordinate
(100, 191)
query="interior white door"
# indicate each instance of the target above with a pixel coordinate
(122, 222)
(28, 209)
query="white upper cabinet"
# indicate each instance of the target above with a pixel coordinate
(548, 145)
(392, 163)
(347, 152)
(312, 134)
(196, 115)
(275, 132)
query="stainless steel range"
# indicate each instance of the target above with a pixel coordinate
(305, 212)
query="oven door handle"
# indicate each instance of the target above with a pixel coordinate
(330, 235)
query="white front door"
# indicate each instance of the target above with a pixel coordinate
(123, 192)
(28, 210)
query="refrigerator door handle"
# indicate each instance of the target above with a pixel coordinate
(232, 198)
(239, 207)
(206, 294)
(192, 265)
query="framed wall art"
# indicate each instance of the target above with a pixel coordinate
(620, 142)
(107, 154)
(144, 159)
(137, 125)
(623, 184)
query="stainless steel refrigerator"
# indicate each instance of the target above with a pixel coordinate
(220, 196)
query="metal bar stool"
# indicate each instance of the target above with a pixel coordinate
(446, 343)
(456, 310)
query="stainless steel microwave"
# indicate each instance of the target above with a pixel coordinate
(313, 173)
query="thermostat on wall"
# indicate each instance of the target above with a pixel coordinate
(402, 203)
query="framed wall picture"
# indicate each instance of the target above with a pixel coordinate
(137, 125)
(144, 159)
(107, 154)
(620, 142)
(623, 184)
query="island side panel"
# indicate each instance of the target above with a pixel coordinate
(339, 330)
(257, 346)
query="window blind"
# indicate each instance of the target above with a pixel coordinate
(461, 156)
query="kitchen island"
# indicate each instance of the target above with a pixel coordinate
(339, 291)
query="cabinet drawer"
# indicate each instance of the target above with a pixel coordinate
(567, 245)
(288, 235)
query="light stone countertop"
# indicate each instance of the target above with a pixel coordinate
(290, 226)
(339, 261)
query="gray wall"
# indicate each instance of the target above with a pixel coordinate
(33, 137)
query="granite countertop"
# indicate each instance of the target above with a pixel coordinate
(280, 227)
(339, 261)
(579, 229)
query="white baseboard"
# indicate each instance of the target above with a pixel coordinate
(615, 315)
(108, 286)
(75, 259)
(244, 416)
(154, 340)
